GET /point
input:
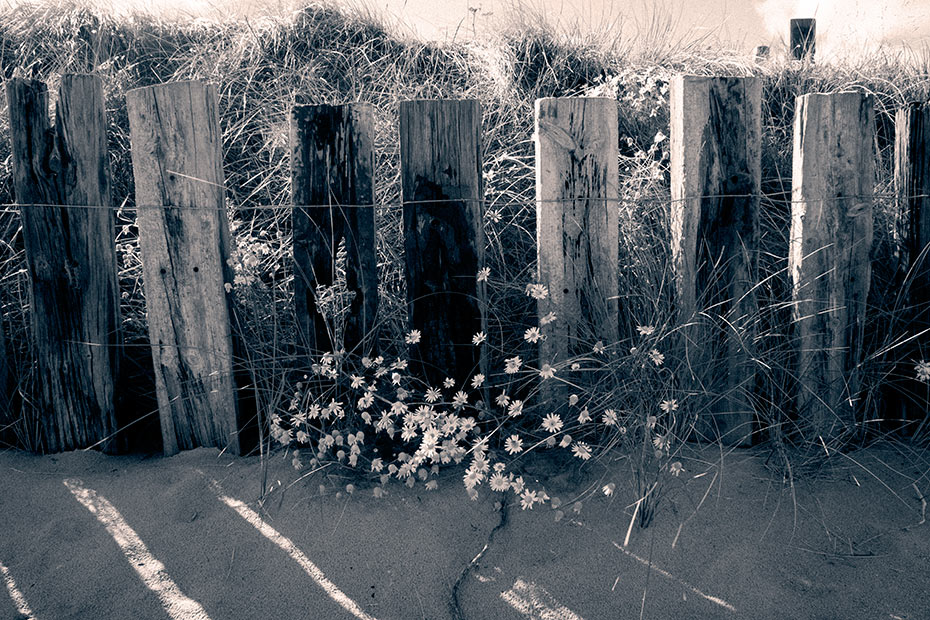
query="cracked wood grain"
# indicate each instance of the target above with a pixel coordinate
(829, 254)
(442, 190)
(71, 257)
(715, 141)
(184, 239)
(332, 164)
(577, 177)
(904, 394)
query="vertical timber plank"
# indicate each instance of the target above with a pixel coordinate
(184, 236)
(332, 164)
(831, 239)
(71, 257)
(577, 235)
(907, 396)
(442, 192)
(7, 420)
(803, 38)
(716, 133)
(912, 188)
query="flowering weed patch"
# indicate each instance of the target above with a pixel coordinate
(373, 415)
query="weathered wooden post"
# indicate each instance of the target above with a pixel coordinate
(184, 237)
(332, 188)
(906, 395)
(6, 404)
(71, 256)
(912, 188)
(443, 193)
(716, 133)
(831, 238)
(577, 184)
(803, 36)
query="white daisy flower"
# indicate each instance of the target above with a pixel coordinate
(552, 423)
(513, 445)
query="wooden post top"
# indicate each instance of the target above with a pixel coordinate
(331, 106)
(543, 99)
(168, 86)
(802, 37)
(439, 100)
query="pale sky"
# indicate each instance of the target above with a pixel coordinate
(847, 24)
(843, 26)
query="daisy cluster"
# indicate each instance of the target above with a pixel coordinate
(373, 414)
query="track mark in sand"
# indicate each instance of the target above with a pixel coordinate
(535, 603)
(21, 605)
(150, 570)
(713, 599)
(286, 545)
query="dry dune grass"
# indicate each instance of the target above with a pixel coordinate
(328, 55)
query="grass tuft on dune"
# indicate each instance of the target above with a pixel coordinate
(323, 54)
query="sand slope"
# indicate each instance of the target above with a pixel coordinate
(842, 543)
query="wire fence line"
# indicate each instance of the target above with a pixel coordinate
(13, 207)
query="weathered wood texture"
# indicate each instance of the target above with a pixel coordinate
(803, 38)
(576, 224)
(716, 132)
(184, 238)
(332, 164)
(442, 190)
(912, 188)
(831, 239)
(7, 416)
(71, 257)
(906, 395)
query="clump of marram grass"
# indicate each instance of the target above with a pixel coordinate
(325, 55)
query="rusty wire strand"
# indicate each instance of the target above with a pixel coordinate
(15, 207)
